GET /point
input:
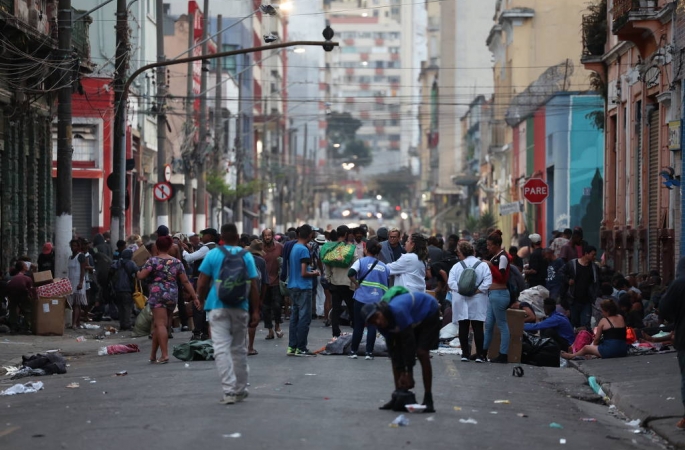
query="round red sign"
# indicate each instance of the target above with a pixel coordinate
(535, 190)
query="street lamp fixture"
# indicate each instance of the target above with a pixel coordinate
(379, 197)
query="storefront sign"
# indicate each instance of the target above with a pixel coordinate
(506, 209)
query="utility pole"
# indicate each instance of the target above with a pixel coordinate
(238, 209)
(161, 207)
(218, 160)
(188, 225)
(118, 222)
(201, 208)
(305, 178)
(263, 160)
(63, 222)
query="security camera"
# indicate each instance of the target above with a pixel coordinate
(269, 38)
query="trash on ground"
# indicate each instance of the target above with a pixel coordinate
(80, 339)
(111, 330)
(288, 383)
(592, 381)
(310, 374)
(90, 326)
(118, 349)
(400, 421)
(28, 372)
(503, 402)
(10, 370)
(122, 373)
(416, 407)
(187, 365)
(588, 419)
(28, 388)
(670, 398)
(469, 420)
(493, 412)
(562, 441)
(633, 423)
(93, 381)
(457, 408)
(73, 385)
(555, 425)
(430, 418)
(522, 415)
(39, 364)
(232, 435)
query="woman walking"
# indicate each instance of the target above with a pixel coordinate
(410, 269)
(470, 311)
(369, 279)
(165, 271)
(77, 278)
(498, 295)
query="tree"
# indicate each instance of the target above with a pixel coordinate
(216, 185)
(358, 152)
(342, 128)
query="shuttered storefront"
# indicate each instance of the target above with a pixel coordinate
(82, 207)
(653, 193)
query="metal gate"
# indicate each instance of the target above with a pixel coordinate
(82, 207)
(653, 183)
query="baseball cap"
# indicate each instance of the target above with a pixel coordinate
(162, 230)
(535, 238)
(382, 233)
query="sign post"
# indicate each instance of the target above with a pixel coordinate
(535, 190)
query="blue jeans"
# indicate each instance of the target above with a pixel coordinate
(359, 331)
(580, 314)
(497, 312)
(300, 318)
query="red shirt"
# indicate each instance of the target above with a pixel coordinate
(20, 286)
(271, 255)
(498, 263)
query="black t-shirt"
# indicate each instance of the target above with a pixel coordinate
(583, 280)
(396, 252)
(539, 264)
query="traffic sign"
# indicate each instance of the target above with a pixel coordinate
(535, 190)
(162, 191)
(167, 173)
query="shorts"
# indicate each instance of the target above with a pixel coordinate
(613, 348)
(427, 333)
(161, 302)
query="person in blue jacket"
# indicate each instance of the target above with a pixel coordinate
(556, 326)
(410, 323)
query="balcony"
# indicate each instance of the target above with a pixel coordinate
(633, 18)
(79, 36)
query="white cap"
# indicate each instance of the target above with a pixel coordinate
(535, 238)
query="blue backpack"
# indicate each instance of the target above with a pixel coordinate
(231, 285)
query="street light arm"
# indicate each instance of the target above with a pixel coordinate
(243, 51)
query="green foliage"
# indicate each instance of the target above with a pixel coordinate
(358, 152)
(472, 223)
(342, 128)
(487, 220)
(595, 28)
(597, 119)
(216, 185)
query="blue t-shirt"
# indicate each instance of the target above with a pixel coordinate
(298, 255)
(410, 309)
(211, 266)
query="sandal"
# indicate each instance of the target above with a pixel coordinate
(162, 361)
(279, 333)
(269, 337)
(253, 352)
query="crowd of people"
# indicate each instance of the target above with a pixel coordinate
(404, 286)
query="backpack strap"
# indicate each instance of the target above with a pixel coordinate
(463, 264)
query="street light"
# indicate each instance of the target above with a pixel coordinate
(379, 197)
(348, 166)
(336, 145)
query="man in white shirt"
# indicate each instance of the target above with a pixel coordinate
(209, 238)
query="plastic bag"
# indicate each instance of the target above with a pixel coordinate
(449, 331)
(537, 351)
(143, 324)
(320, 300)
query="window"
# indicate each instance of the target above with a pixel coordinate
(378, 79)
(379, 35)
(393, 137)
(349, 49)
(394, 35)
(392, 64)
(379, 122)
(393, 79)
(365, 35)
(393, 49)
(365, 79)
(229, 63)
(379, 64)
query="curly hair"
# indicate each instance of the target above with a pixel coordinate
(465, 248)
(420, 246)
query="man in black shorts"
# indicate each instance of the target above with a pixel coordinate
(410, 323)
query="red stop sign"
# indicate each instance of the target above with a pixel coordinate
(535, 190)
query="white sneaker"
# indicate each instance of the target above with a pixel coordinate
(464, 359)
(242, 396)
(368, 357)
(229, 399)
(479, 360)
(352, 356)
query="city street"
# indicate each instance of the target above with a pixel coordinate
(305, 403)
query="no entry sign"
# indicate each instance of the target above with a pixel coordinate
(535, 190)
(162, 192)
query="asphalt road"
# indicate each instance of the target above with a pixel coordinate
(331, 403)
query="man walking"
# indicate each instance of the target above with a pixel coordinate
(124, 270)
(300, 289)
(209, 238)
(580, 286)
(229, 317)
(536, 272)
(340, 285)
(272, 300)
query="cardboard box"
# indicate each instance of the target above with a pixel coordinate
(42, 278)
(515, 319)
(141, 256)
(48, 316)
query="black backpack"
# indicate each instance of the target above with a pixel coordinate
(516, 283)
(231, 285)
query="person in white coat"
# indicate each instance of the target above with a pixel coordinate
(410, 269)
(470, 311)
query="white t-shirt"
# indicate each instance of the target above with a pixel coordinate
(409, 272)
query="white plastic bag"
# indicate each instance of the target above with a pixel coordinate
(320, 300)
(28, 388)
(449, 331)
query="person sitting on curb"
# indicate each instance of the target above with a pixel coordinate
(556, 326)
(613, 328)
(410, 323)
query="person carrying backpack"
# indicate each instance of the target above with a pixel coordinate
(469, 280)
(228, 288)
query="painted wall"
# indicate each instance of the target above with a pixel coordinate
(557, 142)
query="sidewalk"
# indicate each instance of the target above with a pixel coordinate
(642, 387)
